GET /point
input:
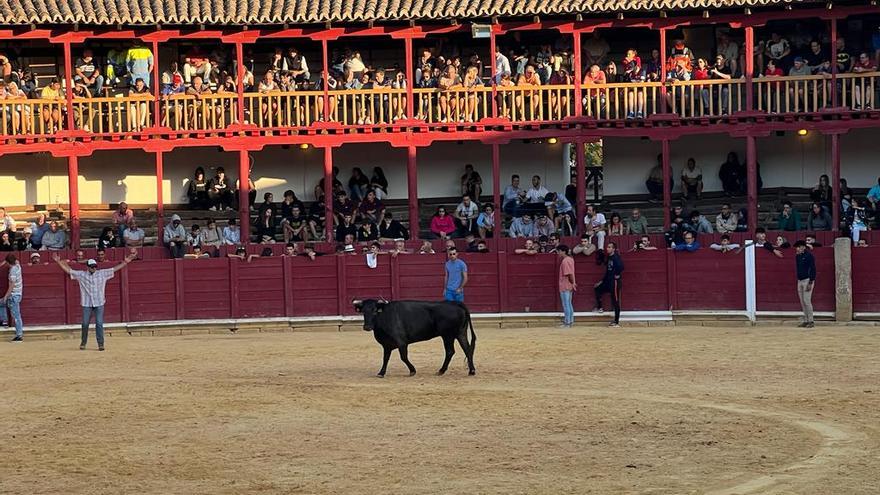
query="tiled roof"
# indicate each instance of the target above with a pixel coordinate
(150, 12)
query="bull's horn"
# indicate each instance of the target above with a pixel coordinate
(383, 300)
(355, 302)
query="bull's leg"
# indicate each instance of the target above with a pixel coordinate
(403, 357)
(386, 353)
(449, 344)
(468, 352)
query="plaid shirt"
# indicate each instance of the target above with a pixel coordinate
(91, 286)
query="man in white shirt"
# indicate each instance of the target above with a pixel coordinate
(692, 179)
(534, 200)
(133, 235)
(12, 298)
(6, 221)
(513, 194)
(466, 215)
(502, 65)
(595, 223)
(232, 233)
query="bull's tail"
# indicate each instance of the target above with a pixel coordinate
(473, 334)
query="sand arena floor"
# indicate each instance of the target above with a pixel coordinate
(635, 410)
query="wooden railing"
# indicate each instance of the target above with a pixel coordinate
(621, 100)
(113, 115)
(191, 113)
(707, 98)
(22, 117)
(858, 90)
(795, 94)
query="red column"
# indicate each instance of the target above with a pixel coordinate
(68, 71)
(496, 188)
(667, 184)
(834, 96)
(412, 192)
(328, 192)
(325, 52)
(157, 93)
(663, 107)
(580, 164)
(749, 68)
(160, 201)
(73, 194)
(244, 188)
(492, 46)
(578, 74)
(239, 59)
(835, 180)
(410, 75)
(752, 190)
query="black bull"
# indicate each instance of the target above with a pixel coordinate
(397, 324)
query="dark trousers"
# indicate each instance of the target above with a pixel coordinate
(614, 288)
(252, 197)
(220, 200)
(177, 249)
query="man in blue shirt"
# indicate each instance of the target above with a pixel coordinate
(456, 277)
(874, 195)
(806, 276)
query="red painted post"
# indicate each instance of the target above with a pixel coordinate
(752, 189)
(328, 193)
(160, 200)
(326, 74)
(749, 68)
(410, 74)
(834, 96)
(663, 102)
(492, 46)
(287, 272)
(68, 76)
(671, 280)
(157, 94)
(124, 296)
(73, 193)
(496, 189)
(667, 184)
(578, 75)
(244, 189)
(412, 192)
(835, 181)
(179, 290)
(233, 265)
(580, 164)
(239, 87)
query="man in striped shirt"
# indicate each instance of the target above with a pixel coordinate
(12, 298)
(91, 292)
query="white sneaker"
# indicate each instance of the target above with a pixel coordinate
(213, 208)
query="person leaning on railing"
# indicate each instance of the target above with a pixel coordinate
(632, 73)
(138, 110)
(863, 64)
(201, 108)
(594, 99)
(447, 84)
(269, 109)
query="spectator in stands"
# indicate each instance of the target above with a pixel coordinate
(35, 259)
(543, 226)
(586, 246)
(38, 228)
(692, 180)
(79, 257)
(211, 236)
(174, 237)
(725, 246)
(522, 226)
(644, 244)
(22, 120)
(317, 217)
(862, 65)
(197, 190)
(654, 184)
(88, 74)
(200, 108)
(343, 206)
(721, 71)
(267, 204)
(296, 64)
(595, 222)
(730, 175)
(615, 226)
(107, 239)
(781, 242)
(534, 198)
(594, 99)
(513, 196)
(240, 253)
(102, 255)
(810, 239)
(399, 248)
(486, 222)
(122, 217)
(23, 243)
(560, 210)
(219, 193)
(196, 64)
(789, 218)
(55, 238)
(690, 243)
(822, 192)
(196, 253)
(818, 218)
(6, 221)
(817, 58)
(194, 238)
(295, 227)
(761, 242)
(367, 232)
(379, 184)
(138, 109)
(232, 233)
(345, 228)
(873, 194)
(133, 235)
(726, 221)
(742, 220)
(466, 216)
(471, 183)
(675, 234)
(442, 225)
(426, 248)
(139, 62)
(595, 49)
(700, 224)
(52, 113)
(391, 229)
(778, 49)
(636, 223)
(266, 228)
(358, 184)
(371, 209)
(290, 249)
(856, 220)
(7, 241)
(528, 249)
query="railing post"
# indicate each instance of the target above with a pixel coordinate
(492, 48)
(496, 190)
(160, 200)
(748, 70)
(324, 77)
(157, 93)
(239, 60)
(68, 76)
(663, 102)
(410, 74)
(244, 188)
(581, 183)
(835, 181)
(578, 75)
(667, 184)
(412, 189)
(834, 93)
(73, 194)
(752, 180)
(328, 193)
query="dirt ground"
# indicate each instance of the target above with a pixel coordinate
(673, 410)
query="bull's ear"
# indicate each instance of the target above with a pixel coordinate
(358, 305)
(380, 305)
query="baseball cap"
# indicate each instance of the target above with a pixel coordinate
(35, 255)
(91, 262)
(799, 59)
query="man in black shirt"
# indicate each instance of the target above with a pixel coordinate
(805, 266)
(390, 229)
(88, 73)
(611, 282)
(346, 227)
(721, 70)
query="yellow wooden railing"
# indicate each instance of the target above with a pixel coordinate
(621, 100)
(793, 94)
(205, 112)
(113, 115)
(707, 98)
(858, 90)
(23, 117)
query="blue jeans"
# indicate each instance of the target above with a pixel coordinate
(99, 324)
(14, 304)
(453, 295)
(567, 308)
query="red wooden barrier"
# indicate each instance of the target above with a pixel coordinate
(260, 288)
(315, 288)
(709, 279)
(151, 290)
(206, 289)
(866, 279)
(776, 281)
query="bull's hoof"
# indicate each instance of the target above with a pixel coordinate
(472, 372)
(441, 372)
(380, 375)
(412, 373)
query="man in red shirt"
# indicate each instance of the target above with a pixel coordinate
(567, 285)
(594, 100)
(863, 64)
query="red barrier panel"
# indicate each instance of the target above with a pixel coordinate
(776, 281)
(260, 288)
(151, 290)
(421, 277)
(709, 279)
(532, 283)
(865, 277)
(481, 293)
(365, 282)
(644, 285)
(314, 286)
(206, 289)
(43, 301)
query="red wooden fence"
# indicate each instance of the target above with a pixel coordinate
(866, 279)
